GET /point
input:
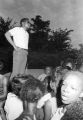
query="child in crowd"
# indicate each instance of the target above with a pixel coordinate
(31, 92)
(71, 96)
(13, 105)
(47, 72)
(57, 74)
(48, 101)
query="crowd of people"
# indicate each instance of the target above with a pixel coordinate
(57, 94)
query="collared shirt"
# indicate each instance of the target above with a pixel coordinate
(20, 37)
(13, 107)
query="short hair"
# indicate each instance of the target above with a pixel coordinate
(27, 91)
(24, 20)
(69, 60)
(50, 67)
(16, 86)
(74, 73)
(22, 77)
(57, 70)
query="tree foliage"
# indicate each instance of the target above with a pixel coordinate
(59, 40)
(40, 25)
(5, 25)
(39, 30)
(43, 39)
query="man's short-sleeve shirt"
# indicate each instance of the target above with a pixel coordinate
(20, 37)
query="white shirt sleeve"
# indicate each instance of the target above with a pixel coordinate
(42, 77)
(13, 31)
(42, 100)
(13, 107)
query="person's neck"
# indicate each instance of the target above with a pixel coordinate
(30, 109)
(24, 28)
(72, 103)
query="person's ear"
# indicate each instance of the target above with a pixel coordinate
(81, 95)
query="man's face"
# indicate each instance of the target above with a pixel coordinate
(25, 25)
(71, 89)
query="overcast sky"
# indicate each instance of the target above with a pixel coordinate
(61, 13)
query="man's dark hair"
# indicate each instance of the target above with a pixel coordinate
(24, 20)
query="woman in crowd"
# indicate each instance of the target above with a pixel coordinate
(47, 72)
(13, 105)
(31, 92)
(48, 101)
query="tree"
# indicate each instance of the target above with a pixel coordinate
(43, 39)
(80, 56)
(59, 40)
(39, 30)
(5, 25)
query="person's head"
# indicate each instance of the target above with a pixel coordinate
(72, 87)
(48, 70)
(16, 86)
(22, 77)
(32, 90)
(24, 22)
(57, 73)
(69, 64)
(50, 84)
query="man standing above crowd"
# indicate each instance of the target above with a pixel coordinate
(20, 44)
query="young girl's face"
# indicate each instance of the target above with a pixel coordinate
(71, 89)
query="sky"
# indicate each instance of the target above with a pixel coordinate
(61, 13)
